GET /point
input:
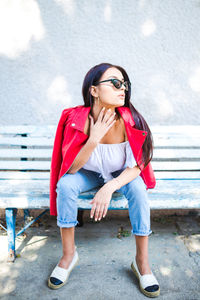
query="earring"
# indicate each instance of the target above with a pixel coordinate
(98, 100)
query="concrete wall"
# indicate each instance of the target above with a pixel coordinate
(46, 48)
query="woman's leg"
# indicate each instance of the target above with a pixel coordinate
(142, 254)
(68, 188)
(68, 244)
(139, 213)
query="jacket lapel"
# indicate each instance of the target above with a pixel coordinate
(79, 118)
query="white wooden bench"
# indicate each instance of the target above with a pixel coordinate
(25, 155)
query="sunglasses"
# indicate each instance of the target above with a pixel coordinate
(118, 83)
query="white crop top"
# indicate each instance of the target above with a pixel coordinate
(108, 158)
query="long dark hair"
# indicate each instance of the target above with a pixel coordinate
(92, 77)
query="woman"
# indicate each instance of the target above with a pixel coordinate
(104, 143)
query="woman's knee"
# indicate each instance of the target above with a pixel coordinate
(67, 185)
(136, 189)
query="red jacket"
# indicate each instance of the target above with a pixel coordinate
(70, 138)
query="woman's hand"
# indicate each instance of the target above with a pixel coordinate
(101, 202)
(102, 125)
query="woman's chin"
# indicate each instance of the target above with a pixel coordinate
(120, 102)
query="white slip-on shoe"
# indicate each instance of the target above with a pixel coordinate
(148, 283)
(60, 275)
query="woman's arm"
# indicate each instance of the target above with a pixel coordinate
(125, 177)
(97, 131)
(103, 196)
(83, 156)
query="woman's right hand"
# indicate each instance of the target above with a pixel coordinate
(102, 125)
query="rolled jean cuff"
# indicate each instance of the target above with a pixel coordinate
(142, 233)
(64, 224)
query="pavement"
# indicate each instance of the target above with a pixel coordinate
(105, 249)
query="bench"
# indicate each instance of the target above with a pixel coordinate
(25, 155)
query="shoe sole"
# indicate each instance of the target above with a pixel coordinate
(148, 294)
(55, 287)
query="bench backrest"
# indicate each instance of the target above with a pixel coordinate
(29, 148)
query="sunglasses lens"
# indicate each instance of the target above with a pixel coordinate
(116, 83)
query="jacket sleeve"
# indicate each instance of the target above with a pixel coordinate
(56, 159)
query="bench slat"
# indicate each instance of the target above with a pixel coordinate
(167, 154)
(25, 165)
(176, 142)
(180, 154)
(43, 203)
(17, 175)
(27, 141)
(40, 187)
(158, 142)
(176, 165)
(27, 153)
(177, 175)
(45, 165)
(169, 191)
(175, 129)
(155, 128)
(42, 130)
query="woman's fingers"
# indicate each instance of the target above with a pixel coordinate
(99, 211)
(92, 210)
(102, 211)
(96, 210)
(101, 114)
(107, 115)
(91, 121)
(110, 120)
(111, 124)
(105, 210)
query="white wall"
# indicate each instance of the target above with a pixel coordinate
(46, 48)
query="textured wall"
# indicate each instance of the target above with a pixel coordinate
(46, 48)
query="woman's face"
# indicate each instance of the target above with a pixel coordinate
(108, 94)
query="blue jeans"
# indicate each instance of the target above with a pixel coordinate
(71, 185)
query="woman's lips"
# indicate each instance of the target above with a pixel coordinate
(122, 96)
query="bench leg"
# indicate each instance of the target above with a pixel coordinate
(26, 216)
(80, 218)
(10, 221)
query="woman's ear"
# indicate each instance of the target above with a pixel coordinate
(93, 91)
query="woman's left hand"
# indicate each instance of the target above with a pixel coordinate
(101, 202)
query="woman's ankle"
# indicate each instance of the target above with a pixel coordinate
(66, 260)
(68, 251)
(142, 258)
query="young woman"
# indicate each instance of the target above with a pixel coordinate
(104, 143)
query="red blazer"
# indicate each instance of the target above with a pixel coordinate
(70, 138)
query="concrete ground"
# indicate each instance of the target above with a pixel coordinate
(105, 257)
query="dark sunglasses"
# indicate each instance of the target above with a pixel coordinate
(117, 83)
